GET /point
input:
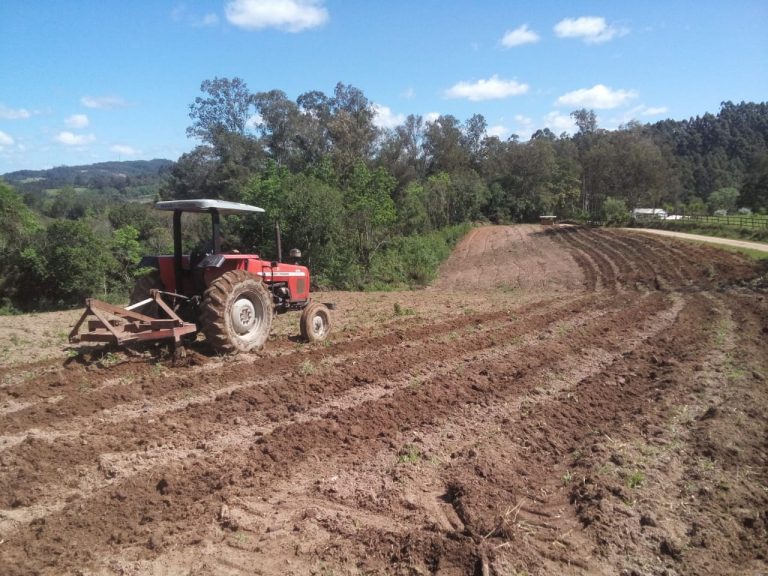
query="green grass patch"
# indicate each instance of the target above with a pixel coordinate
(409, 454)
(400, 311)
(636, 479)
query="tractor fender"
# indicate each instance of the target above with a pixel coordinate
(211, 261)
(149, 262)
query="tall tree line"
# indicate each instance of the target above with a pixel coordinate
(373, 207)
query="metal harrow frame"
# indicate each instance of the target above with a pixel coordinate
(118, 326)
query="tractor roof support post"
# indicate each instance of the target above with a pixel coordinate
(177, 253)
(278, 241)
(216, 231)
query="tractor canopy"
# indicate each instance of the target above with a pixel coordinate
(208, 206)
(215, 208)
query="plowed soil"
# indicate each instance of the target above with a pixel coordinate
(560, 401)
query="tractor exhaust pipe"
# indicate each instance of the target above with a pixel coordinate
(278, 241)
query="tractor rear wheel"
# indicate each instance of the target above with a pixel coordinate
(315, 322)
(236, 312)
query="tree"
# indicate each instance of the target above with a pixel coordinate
(723, 199)
(586, 120)
(227, 106)
(311, 213)
(351, 128)
(126, 251)
(444, 146)
(18, 229)
(371, 210)
(67, 264)
(230, 153)
(474, 135)
(401, 151)
(755, 188)
(17, 222)
(615, 211)
(412, 216)
(283, 131)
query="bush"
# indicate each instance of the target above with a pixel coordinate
(413, 261)
(616, 212)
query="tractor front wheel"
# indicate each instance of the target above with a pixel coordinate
(315, 322)
(236, 312)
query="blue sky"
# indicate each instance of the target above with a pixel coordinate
(88, 81)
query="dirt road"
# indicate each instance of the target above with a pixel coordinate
(564, 401)
(759, 246)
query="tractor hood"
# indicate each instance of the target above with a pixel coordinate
(207, 206)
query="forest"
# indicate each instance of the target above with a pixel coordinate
(370, 208)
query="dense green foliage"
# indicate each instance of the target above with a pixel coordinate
(368, 207)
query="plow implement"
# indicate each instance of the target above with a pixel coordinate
(111, 324)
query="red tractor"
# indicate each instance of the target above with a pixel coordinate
(229, 296)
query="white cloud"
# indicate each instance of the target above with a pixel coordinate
(70, 139)
(524, 127)
(77, 121)
(491, 89)
(181, 14)
(385, 118)
(254, 122)
(599, 96)
(123, 150)
(431, 116)
(635, 113)
(519, 36)
(591, 29)
(7, 113)
(559, 123)
(501, 132)
(5, 139)
(654, 111)
(288, 15)
(103, 102)
(208, 20)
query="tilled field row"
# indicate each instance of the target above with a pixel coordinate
(289, 443)
(266, 401)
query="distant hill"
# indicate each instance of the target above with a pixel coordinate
(118, 175)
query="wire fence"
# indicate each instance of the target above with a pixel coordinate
(749, 221)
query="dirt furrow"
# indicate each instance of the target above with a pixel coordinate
(416, 494)
(269, 400)
(121, 465)
(202, 387)
(575, 240)
(612, 429)
(286, 446)
(592, 280)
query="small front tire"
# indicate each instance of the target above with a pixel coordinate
(315, 323)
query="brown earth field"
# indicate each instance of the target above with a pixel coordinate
(559, 401)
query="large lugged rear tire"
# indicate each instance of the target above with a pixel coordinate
(236, 313)
(315, 323)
